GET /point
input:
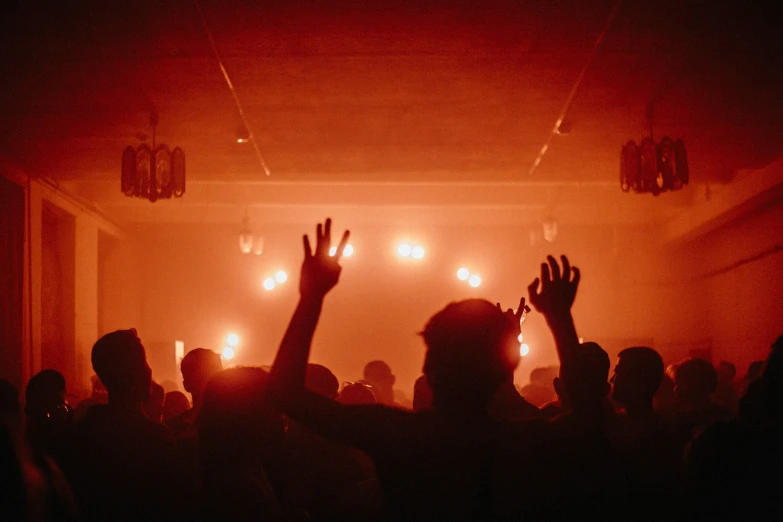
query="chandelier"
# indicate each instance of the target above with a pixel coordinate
(652, 167)
(153, 172)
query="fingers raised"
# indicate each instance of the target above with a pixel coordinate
(341, 246)
(566, 268)
(577, 277)
(307, 250)
(556, 276)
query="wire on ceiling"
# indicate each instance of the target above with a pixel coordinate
(230, 84)
(575, 88)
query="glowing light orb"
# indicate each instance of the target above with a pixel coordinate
(524, 349)
(417, 252)
(404, 250)
(269, 283)
(228, 353)
(520, 338)
(474, 281)
(281, 277)
(347, 251)
(232, 339)
(463, 274)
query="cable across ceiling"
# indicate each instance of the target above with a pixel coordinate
(575, 88)
(245, 122)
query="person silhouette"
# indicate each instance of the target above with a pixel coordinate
(125, 466)
(49, 416)
(174, 403)
(725, 394)
(240, 441)
(356, 393)
(636, 380)
(443, 463)
(730, 467)
(378, 374)
(153, 408)
(197, 367)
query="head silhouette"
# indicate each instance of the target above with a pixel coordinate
(726, 373)
(380, 376)
(472, 349)
(356, 393)
(197, 367)
(174, 404)
(238, 427)
(321, 380)
(120, 362)
(45, 397)
(637, 376)
(153, 408)
(694, 382)
(593, 385)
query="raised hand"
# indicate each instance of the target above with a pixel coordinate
(321, 271)
(516, 316)
(558, 287)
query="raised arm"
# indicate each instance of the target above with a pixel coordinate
(320, 273)
(553, 300)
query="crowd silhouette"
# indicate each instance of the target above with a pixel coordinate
(289, 443)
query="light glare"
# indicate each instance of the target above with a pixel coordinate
(524, 349)
(281, 277)
(404, 250)
(228, 353)
(269, 283)
(232, 339)
(463, 274)
(520, 338)
(347, 251)
(417, 252)
(474, 281)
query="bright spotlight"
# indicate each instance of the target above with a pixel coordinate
(417, 252)
(524, 349)
(519, 338)
(474, 281)
(463, 274)
(228, 353)
(404, 250)
(232, 339)
(347, 251)
(281, 277)
(269, 283)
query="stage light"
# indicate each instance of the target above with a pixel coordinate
(519, 338)
(228, 353)
(269, 283)
(417, 252)
(463, 274)
(474, 281)
(524, 349)
(281, 277)
(347, 251)
(404, 250)
(232, 339)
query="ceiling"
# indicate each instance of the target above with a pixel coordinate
(395, 103)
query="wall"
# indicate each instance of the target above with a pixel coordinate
(742, 301)
(80, 328)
